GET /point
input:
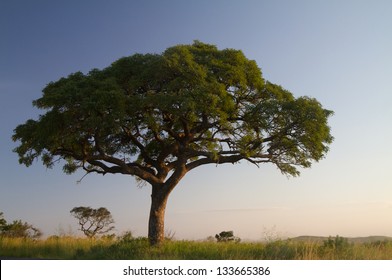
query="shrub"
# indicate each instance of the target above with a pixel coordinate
(18, 229)
(337, 243)
(227, 236)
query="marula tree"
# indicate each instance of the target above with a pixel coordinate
(158, 116)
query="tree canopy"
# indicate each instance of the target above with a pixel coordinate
(158, 116)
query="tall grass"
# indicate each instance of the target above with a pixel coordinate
(51, 248)
(138, 248)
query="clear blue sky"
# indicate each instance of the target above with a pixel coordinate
(336, 51)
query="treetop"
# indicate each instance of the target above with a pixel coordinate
(149, 114)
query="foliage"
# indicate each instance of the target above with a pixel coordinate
(336, 247)
(93, 221)
(227, 236)
(193, 103)
(158, 116)
(18, 229)
(336, 243)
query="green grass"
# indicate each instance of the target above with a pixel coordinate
(138, 249)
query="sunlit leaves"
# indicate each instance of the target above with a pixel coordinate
(146, 114)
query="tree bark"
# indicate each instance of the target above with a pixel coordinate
(156, 224)
(159, 195)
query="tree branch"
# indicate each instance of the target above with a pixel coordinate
(138, 144)
(219, 160)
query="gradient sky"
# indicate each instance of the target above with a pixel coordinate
(336, 51)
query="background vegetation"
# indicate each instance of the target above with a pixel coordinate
(20, 240)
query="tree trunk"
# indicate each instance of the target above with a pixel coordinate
(156, 224)
(159, 195)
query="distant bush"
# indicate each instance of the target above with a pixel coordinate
(336, 248)
(227, 236)
(336, 243)
(18, 229)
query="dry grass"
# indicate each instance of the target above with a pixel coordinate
(82, 248)
(51, 248)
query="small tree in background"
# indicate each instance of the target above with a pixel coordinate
(227, 236)
(93, 221)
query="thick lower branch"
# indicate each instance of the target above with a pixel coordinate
(228, 159)
(218, 160)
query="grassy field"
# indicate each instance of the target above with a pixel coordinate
(138, 249)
